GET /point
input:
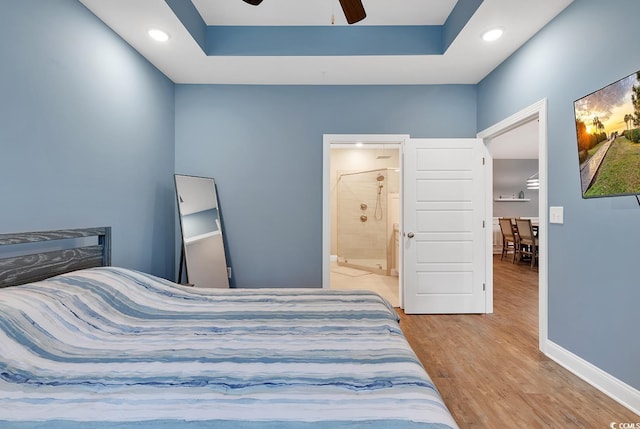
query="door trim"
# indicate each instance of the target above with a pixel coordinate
(538, 111)
(341, 139)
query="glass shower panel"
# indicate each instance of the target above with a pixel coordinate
(362, 220)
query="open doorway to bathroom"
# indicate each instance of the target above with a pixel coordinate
(365, 217)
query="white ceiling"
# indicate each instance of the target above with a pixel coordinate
(318, 12)
(515, 155)
(518, 143)
(467, 61)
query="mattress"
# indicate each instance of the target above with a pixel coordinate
(114, 348)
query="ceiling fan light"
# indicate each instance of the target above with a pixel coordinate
(353, 10)
(533, 182)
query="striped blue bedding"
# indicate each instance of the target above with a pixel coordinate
(114, 348)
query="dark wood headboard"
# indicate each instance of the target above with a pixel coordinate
(40, 265)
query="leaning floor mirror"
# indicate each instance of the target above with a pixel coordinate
(202, 243)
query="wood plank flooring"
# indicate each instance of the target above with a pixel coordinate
(490, 372)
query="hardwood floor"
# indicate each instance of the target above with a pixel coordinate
(490, 373)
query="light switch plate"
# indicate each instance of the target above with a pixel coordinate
(556, 214)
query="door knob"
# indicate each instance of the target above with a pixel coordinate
(410, 235)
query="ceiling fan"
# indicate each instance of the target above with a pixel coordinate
(353, 9)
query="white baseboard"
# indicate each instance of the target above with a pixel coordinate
(601, 380)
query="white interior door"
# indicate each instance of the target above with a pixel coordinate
(444, 237)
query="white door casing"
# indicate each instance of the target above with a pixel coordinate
(537, 111)
(444, 227)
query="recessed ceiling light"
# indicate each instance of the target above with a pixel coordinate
(359, 144)
(158, 35)
(492, 35)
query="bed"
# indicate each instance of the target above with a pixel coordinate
(106, 347)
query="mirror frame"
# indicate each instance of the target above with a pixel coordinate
(202, 249)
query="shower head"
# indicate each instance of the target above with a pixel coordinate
(380, 178)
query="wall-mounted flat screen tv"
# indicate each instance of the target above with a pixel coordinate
(608, 135)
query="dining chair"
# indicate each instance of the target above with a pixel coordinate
(527, 239)
(509, 238)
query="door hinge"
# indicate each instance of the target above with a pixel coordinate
(483, 160)
(484, 287)
(483, 224)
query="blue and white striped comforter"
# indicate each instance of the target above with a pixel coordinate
(114, 348)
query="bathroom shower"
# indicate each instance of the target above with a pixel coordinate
(377, 214)
(367, 217)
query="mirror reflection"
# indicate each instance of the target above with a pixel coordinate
(202, 242)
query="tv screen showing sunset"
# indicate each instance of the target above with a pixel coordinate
(608, 136)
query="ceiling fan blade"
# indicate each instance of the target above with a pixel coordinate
(353, 10)
(253, 2)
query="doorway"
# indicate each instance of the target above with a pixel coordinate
(536, 114)
(362, 213)
(538, 111)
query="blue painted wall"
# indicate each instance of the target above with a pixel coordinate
(263, 146)
(593, 256)
(86, 132)
(87, 138)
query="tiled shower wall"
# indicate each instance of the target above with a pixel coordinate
(364, 228)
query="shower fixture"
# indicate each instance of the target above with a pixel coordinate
(377, 213)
